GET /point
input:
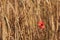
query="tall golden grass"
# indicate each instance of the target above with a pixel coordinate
(18, 19)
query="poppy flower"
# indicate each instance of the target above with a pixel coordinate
(41, 24)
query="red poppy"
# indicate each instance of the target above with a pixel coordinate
(41, 24)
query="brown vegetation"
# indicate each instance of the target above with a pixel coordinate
(18, 19)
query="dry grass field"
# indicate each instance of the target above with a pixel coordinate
(18, 19)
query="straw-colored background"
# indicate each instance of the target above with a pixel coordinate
(18, 19)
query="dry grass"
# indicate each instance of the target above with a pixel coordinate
(18, 19)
